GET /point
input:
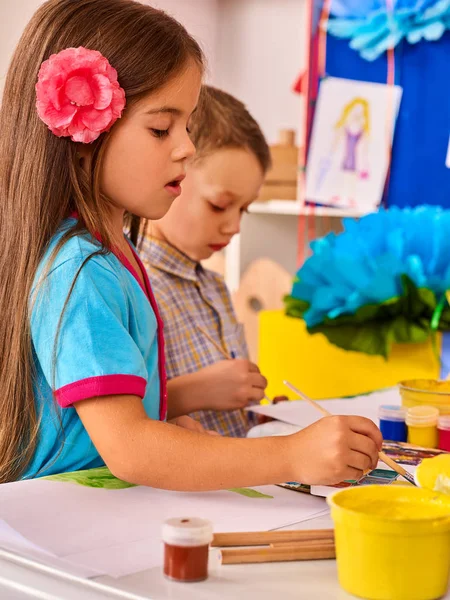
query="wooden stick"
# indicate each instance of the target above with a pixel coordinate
(219, 349)
(383, 457)
(325, 543)
(312, 402)
(263, 538)
(236, 556)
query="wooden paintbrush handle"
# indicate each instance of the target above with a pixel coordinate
(328, 543)
(236, 556)
(263, 538)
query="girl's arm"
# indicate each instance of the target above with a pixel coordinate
(147, 452)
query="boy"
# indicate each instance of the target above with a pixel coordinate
(222, 181)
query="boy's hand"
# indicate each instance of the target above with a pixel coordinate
(335, 449)
(233, 384)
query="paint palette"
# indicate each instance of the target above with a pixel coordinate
(375, 477)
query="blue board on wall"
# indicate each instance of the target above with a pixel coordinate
(418, 171)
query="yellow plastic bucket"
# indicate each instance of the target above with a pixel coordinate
(392, 542)
(428, 392)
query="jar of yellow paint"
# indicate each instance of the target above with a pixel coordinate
(422, 426)
(392, 542)
(428, 392)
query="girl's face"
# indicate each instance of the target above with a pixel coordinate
(357, 114)
(146, 155)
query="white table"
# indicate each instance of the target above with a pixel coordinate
(20, 580)
(312, 580)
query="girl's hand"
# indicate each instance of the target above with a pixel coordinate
(191, 424)
(335, 449)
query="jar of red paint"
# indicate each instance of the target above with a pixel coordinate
(444, 432)
(186, 547)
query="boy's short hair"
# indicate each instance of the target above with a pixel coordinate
(222, 121)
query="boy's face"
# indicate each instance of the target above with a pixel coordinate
(217, 191)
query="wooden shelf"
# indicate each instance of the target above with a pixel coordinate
(295, 208)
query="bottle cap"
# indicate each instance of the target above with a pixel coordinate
(187, 532)
(422, 416)
(392, 413)
(444, 423)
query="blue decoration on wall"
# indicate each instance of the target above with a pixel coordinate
(418, 172)
(372, 28)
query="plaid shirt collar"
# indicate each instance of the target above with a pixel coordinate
(165, 257)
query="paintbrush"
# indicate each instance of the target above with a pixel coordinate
(275, 546)
(219, 349)
(266, 538)
(305, 549)
(383, 457)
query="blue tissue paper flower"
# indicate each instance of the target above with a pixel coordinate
(372, 28)
(382, 280)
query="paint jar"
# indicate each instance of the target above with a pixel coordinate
(422, 426)
(428, 392)
(444, 432)
(392, 423)
(392, 542)
(186, 547)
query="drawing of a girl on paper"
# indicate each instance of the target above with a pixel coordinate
(351, 140)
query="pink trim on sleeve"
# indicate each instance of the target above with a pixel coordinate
(161, 352)
(104, 385)
(147, 289)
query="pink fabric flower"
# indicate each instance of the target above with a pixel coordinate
(78, 95)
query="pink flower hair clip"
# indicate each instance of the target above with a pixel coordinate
(78, 95)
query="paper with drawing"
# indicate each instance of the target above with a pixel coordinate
(351, 143)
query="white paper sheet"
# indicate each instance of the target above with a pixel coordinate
(13, 541)
(302, 414)
(117, 532)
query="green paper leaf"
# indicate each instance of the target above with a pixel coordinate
(373, 328)
(97, 478)
(370, 338)
(295, 307)
(249, 493)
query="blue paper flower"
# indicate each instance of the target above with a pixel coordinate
(372, 29)
(387, 266)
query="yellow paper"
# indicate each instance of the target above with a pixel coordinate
(322, 370)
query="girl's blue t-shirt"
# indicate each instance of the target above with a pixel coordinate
(108, 340)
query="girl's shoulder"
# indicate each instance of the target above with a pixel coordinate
(75, 249)
(64, 258)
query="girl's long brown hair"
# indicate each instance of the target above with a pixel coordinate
(41, 180)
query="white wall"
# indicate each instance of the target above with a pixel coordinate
(201, 19)
(13, 18)
(261, 51)
(254, 48)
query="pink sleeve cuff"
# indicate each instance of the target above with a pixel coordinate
(104, 385)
